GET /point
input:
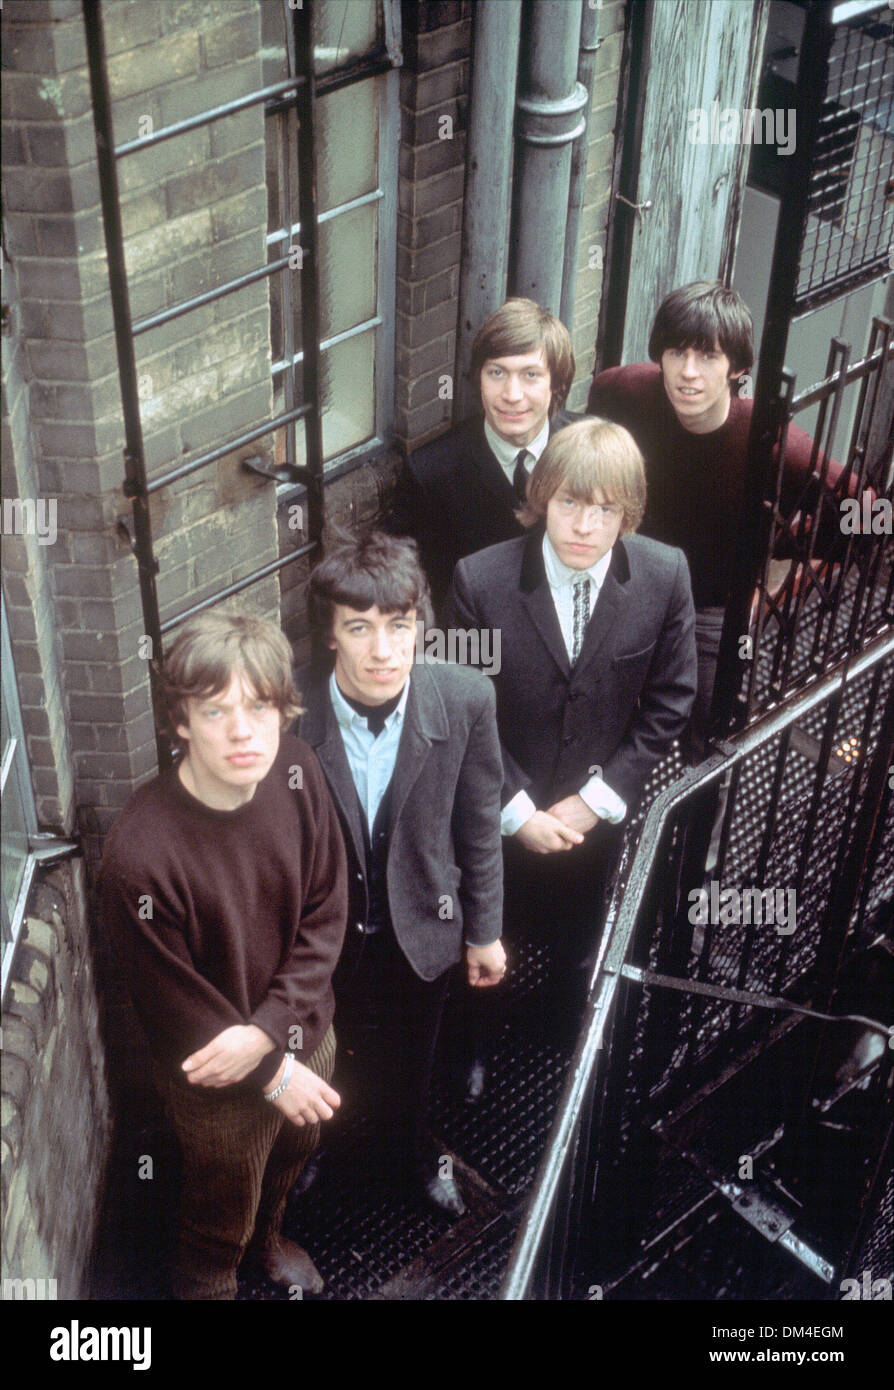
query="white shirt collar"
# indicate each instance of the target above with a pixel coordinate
(346, 715)
(558, 574)
(506, 453)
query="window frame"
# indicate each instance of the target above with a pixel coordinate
(382, 67)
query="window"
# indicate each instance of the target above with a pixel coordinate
(18, 811)
(356, 134)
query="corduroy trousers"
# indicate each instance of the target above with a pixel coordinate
(240, 1157)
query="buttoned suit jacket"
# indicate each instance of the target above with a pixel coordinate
(628, 695)
(444, 864)
(453, 498)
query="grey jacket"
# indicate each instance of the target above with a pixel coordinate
(444, 863)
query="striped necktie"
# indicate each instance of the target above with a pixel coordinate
(581, 617)
(520, 476)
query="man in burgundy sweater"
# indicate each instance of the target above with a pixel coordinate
(224, 891)
(692, 430)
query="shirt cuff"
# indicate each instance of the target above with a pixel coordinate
(516, 813)
(602, 801)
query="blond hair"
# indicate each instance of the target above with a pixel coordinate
(590, 455)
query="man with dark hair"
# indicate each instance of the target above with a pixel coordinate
(412, 756)
(597, 677)
(224, 890)
(692, 428)
(460, 493)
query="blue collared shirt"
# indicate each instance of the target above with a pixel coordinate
(370, 759)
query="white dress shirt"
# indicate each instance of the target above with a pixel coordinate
(597, 794)
(506, 454)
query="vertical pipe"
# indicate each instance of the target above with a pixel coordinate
(549, 109)
(488, 182)
(586, 71)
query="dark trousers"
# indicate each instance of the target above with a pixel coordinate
(708, 631)
(388, 1021)
(241, 1156)
(554, 902)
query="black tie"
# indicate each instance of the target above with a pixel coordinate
(520, 476)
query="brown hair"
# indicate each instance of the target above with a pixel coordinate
(705, 315)
(362, 571)
(520, 326)
(211, 647)
(582, 457)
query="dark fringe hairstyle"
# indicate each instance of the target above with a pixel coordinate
(361, 570)
(705, 315)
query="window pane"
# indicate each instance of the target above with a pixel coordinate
(347, 162)
(348, 390)
(345, 30)
(347, 270)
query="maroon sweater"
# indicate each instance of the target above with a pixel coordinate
(226, 917)
(695, 481)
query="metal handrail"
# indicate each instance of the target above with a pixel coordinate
(620, 922)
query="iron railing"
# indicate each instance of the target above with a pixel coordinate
(802, 820)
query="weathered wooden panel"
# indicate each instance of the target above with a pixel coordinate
(704, 63)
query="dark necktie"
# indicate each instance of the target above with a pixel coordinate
(581, 614)
(520, 476)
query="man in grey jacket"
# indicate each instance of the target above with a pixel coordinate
(412, 757)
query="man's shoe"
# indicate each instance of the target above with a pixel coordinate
(286, 1263)
(438, 1190)
(476, 1081)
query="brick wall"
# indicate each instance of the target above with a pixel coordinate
(434, 105)
(55, 1105)
(194, 213)
(434, 86)
(592, 243)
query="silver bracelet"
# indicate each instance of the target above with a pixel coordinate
(286, 1078)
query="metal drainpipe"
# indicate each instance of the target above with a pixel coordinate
(482, 277)
(549, 109)
(590, 42)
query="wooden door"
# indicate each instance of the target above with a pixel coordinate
(703, 60)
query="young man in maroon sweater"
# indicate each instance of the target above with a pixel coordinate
(224, 890)
(692, 429)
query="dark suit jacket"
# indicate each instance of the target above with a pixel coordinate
(453, 498)
(631, 689)
(444, 832)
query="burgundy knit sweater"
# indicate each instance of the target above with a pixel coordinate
(226, 917)
(695, 481)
